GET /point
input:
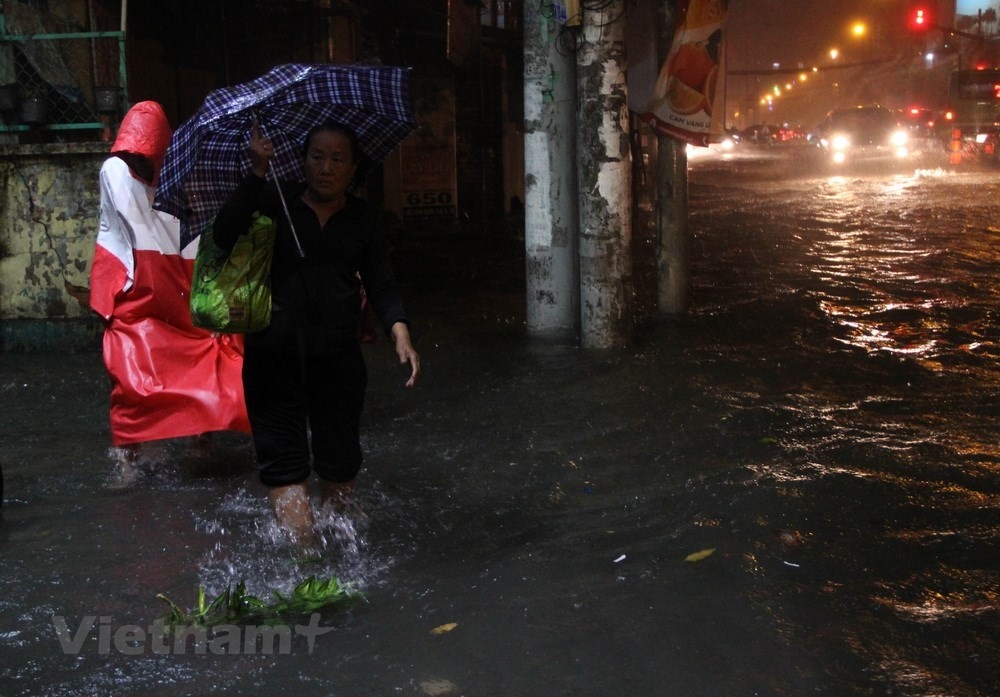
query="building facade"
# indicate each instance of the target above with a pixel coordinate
(70, 69)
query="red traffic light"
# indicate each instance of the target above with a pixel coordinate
(921, 19)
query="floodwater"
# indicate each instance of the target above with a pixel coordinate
(824, 419)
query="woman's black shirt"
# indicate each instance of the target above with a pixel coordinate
(316, 297)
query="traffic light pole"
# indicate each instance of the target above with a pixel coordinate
(958, 32)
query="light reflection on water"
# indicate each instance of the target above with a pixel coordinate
(871, 267)
(884, 412)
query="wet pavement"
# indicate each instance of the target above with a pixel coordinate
(824, 419)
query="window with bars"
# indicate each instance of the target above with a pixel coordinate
(60, 72)
(501, 14)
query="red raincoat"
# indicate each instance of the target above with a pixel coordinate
(169, 378)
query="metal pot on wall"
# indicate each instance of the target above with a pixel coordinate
(8, 97)
(34, 110)
(107, 100)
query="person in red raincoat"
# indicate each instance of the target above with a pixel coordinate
(168, 378)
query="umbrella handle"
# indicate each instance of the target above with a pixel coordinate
(288, 216)
(284, 204)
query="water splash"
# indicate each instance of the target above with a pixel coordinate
(252, 548)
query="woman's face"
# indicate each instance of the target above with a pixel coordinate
(329, 165)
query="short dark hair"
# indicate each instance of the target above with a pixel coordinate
(142, 165)
(333, 127)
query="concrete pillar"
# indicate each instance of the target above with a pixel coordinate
(672, 188)
(604, 162)
(551, 223)
(672, 253)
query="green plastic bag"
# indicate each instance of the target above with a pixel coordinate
(231, 293)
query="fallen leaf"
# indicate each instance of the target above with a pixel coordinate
(698, 556)
(441, 629)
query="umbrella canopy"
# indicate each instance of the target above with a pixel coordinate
(207, 156)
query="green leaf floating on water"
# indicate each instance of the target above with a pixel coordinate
(235, 605)
(311, 595)
(698, 556)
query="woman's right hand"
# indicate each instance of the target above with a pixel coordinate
(260, 150)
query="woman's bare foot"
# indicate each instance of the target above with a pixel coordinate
(338, 497)
(127, 462)
(294, 513)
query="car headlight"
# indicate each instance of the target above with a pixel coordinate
(840, 143)
(898, 138)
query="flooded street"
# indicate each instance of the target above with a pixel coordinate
(825, 419)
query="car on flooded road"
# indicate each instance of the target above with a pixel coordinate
(862, 134)
(920, 122)
(974, 114)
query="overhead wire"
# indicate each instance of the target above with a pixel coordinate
(570, 39)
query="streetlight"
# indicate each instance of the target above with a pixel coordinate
(834, 54)
(859, 30)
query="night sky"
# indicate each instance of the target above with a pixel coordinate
(799, 31)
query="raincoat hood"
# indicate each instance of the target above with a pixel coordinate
(145, 131)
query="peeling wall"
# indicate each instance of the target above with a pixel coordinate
(551, 224)
(605, 181)
(49, 204)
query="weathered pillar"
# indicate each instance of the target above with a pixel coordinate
(671, 255)
(551, 223)
(672, 187)
(605, 180)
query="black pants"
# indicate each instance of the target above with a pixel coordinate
(289, 398)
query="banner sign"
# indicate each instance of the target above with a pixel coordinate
(684, 96)
(429, 186)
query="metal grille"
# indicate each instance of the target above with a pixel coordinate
(57, 75)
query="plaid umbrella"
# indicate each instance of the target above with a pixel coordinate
(207, 156)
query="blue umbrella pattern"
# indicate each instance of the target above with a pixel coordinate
(207, 156)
